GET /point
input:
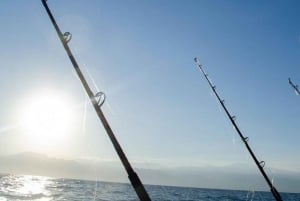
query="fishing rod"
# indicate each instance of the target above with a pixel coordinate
(259, 164)
(294, 86)
(97, 101)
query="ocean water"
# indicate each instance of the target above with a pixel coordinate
(25, 187)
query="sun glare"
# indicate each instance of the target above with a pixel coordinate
(46, 118)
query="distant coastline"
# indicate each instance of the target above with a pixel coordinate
(224, 178)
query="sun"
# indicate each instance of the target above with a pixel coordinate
(46, 118)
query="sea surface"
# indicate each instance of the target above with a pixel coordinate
(25, 187)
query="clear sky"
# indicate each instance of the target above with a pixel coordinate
(140, 53)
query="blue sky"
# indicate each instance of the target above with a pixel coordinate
(159, 105)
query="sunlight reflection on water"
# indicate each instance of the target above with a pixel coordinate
(25, 187)
(37, 188)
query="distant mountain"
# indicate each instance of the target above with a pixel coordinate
(227, 177)
(39, 164)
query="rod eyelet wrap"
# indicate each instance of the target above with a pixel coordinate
(67, 37)
(100, 97)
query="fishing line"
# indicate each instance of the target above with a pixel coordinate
(273, 173)
(91, 78)
(259, 195)
(95, 189)
(97, 88)
(229, 129)
(84, 115)
(260, 164)
(223, 115)
(250, 195)
(97, 100)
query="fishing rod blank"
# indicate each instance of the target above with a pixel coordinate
(294, 86)
(259, 164)
(97, 101)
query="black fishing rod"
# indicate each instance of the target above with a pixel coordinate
(97, 101)
(259, 164)
(294, 86)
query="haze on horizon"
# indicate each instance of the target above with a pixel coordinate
(231, 176)
(158, 104)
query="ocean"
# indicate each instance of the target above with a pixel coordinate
(37, 188)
